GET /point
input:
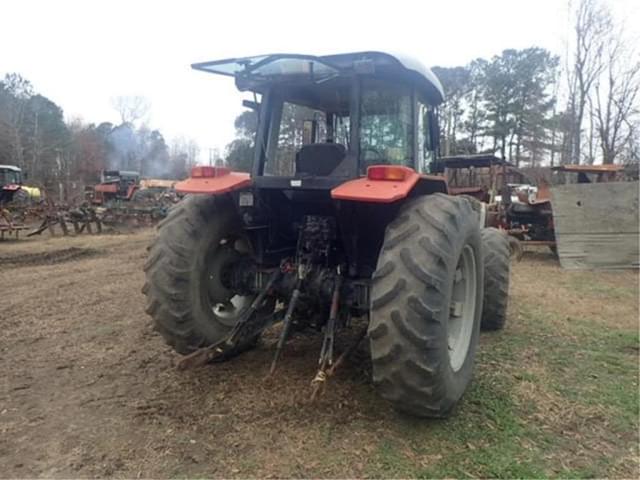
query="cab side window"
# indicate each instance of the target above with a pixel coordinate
(425, 149)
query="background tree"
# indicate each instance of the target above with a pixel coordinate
(46, 139)
(534, 72)
(475, 121)
(131, 108)
(456, 82)
(240, 152)
(88, 150)
(592, 25)
(15, 92)
(62, 156)
(615, 99)
(183, 155)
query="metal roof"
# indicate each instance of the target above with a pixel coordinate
(10, 167)
(478, 160)
(360, 62)
(608, 168)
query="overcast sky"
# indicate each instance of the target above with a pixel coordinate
(82, 53)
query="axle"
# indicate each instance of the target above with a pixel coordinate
(316, 289)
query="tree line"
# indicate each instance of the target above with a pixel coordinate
(530, 106)
(58, 155)
(532, 110)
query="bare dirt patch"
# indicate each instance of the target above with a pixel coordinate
(48, 258)
(88, 389)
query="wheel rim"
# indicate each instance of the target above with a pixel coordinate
(229, 311)
(462, 310)
(224, 303)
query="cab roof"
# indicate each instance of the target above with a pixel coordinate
(258, 72)
(10, 167)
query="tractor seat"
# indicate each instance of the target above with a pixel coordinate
(319, 159)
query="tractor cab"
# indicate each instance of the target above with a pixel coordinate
(10, 182)
(336, 134)
(326, 119)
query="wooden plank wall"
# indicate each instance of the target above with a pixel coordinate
(596, 225)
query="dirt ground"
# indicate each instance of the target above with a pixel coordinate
(88, 389)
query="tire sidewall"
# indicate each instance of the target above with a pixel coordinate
(457, 381)
(217, 224)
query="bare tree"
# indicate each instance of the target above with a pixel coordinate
(615, 99)
(184, 153)
(15, 92)
(131, 108)
(592, 26)
(631, 152)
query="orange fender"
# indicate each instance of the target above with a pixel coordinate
(387, 184)
(213, 181)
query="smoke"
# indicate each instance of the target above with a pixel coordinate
(122, 149)
(141, 150)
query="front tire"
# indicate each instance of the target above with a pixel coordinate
(187, 298)
(426, 303)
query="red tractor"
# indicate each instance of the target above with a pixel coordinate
(340, 217)
(115, 185)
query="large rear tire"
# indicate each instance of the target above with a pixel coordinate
(426, 305)
(187, 298)
(496, 278)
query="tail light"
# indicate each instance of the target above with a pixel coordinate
(209, 172)
(394, 173)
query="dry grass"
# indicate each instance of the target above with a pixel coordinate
(89, 390)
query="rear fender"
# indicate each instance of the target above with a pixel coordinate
(11, 187)
(213, 181)
(387, 191)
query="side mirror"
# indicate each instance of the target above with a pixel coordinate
(252, 105)
(434, 130)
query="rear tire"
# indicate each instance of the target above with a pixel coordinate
(418, 363)
(496, 279)
(186, 296)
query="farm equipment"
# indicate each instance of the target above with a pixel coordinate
(126, 186)
(527, 211)
(10, 183)
(122, 197)
(526, 214)
(114, 185)
(482, 176)
(11, 190)
(590, 173)
(341, 217)
(510, 201)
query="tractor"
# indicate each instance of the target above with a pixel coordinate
(114, 186)
(10, 183)
(340, 218)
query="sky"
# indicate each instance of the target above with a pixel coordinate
(81, 54)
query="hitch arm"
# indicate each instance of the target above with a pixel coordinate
(206, 354)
